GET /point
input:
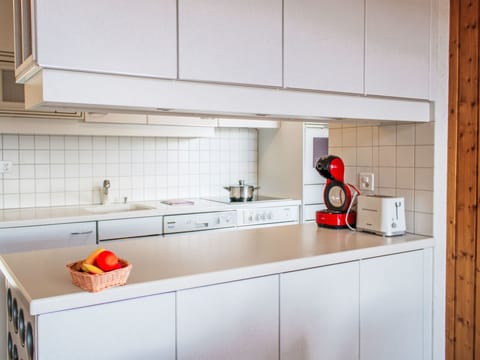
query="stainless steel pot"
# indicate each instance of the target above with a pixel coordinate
(241, 192)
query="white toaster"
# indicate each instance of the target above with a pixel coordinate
(383, 215)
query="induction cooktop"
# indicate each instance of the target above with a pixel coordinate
(226, 200)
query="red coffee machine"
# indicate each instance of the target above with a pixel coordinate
(337, 195)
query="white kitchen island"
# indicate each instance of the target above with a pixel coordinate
(289, 292)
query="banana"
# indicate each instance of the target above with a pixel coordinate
(92, 269)
(90, 260)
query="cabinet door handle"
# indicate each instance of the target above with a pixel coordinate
(82, 233)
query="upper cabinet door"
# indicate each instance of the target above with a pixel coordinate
(324, 45)
(6, 27)
(231, 41)
(397, 58)
(125, 37)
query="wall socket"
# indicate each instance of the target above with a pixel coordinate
(366, 181)
(5, 167)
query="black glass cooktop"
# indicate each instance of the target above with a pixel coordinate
(226, 200)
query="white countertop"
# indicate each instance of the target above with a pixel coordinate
(164, 264)
(59, 215)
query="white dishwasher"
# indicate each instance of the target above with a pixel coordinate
(202, 221)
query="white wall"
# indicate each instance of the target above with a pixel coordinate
(401, 158)
(69, 170)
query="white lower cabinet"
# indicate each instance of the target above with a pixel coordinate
(319, 313)
(140, 329)
(373, 309)
(236, 320)
(28, 238)
(395, 300)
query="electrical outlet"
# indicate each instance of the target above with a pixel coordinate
(366, 181)
(5, 167)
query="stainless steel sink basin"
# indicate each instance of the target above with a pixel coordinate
(111, 208)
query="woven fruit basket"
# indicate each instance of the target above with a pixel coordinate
(98, 282)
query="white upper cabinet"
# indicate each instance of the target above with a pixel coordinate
(285, 59)
(6, 27)
(397, 50)
(126, 37)
(231, 41)
(324, 45)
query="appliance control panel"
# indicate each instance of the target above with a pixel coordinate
(269, 215)
(199, 221)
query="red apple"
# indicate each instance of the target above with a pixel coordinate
(107, 261)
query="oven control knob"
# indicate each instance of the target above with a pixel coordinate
(257, 217)
(269, 216)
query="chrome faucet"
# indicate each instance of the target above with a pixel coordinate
(106, 186)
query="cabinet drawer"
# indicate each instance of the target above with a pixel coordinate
(313, 194)
(27, 238)
(123, 228)
(309, 211)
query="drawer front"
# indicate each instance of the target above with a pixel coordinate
(309, 211)
(132, 227)
(313, 194)
(29, 238)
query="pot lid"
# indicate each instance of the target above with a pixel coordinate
(241, 183)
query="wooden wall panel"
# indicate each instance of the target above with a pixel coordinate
(451, 180)
(463, 230)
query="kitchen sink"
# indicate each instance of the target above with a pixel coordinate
(120, 207)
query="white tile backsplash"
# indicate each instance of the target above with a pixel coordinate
(405, 156)
(424, 134)
(405, 178)
(364, 136)
(26, 142)
(387, 156)
(349, 137)
(387, 135)
(405, 135)
(42, 142)
(400, 157)
(10, 142)
(69, 170)
(424, 156)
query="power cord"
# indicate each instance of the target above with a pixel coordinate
(355, 192)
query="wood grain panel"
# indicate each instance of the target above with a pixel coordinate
(463, 232)
(451, 180)
(466, 180)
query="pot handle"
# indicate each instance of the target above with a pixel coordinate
(256, 188)
(227, 188)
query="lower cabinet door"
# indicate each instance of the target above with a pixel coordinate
(319, 313)
(392, 307)
(236, 320)
(140, 329)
